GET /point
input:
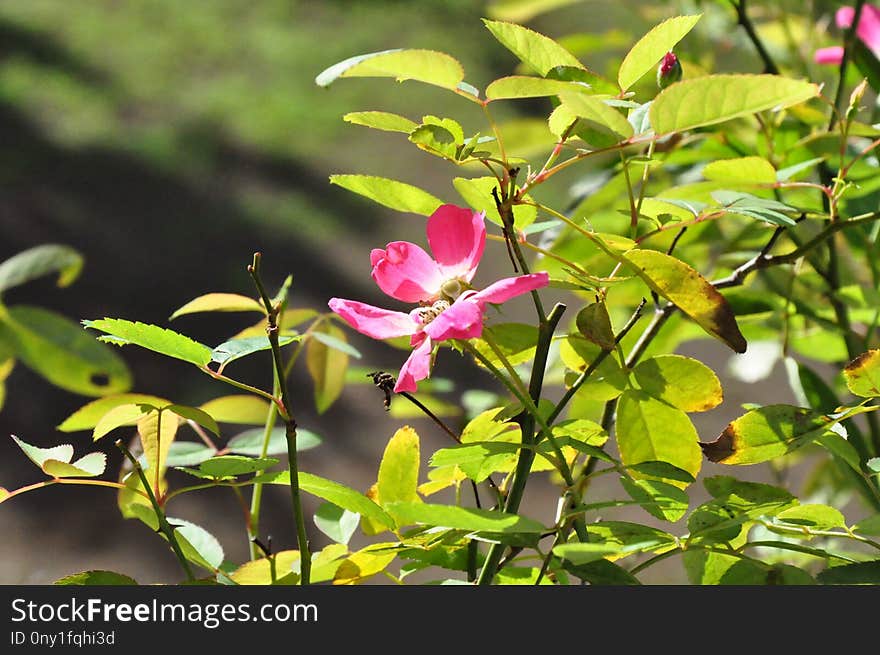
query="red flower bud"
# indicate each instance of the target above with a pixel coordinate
(669, 70)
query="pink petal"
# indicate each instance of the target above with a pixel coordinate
(416, 367)
(832, 55)
(510, 287)
(457, 237)
(463, 320)
(869, 24)
(375, 322)
(406, 272)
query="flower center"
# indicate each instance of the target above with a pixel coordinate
(451, 289)
(428, 314)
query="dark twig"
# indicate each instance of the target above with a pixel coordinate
(745, 22)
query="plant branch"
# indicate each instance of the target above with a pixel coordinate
(746, 23)
(289, 422)
(164, 526)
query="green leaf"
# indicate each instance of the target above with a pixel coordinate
(818, 517)
(152, 337)
(714, 99)
(250, 442)
(850, 574)
(337, 523)
(228, 466)
(537, 51)
(198, 545)
(87, 466)
(477, 192)
(608, 381)
(522, 86)
(746, 170)
(58, 349)
(427, 66)
(615, 538)
(399, 469)
(594, 323)
(365, 563)
(680, 381)
(241, 409)
(95, 578)
(390, 193)
(39, 455)
(649, 50)
(333, 492)
(658, 469)
(337, 343)
(659, 499)
(381, 120)
(767, 432)
(714, 568)
(601, 572)
(88, 416)
(118, 416)
(785, 174)
(517, 341)
(229, 351)
(769, 211)
(55, 461)
(651, 430)
(689, 291)
(220, 302)
(326, 366)
(188, 453)
(39, 261)
(435, 139)
(599, 124)
(6, 366)
(461, 518)
(869, 526)
(863, 374)
(196, 415)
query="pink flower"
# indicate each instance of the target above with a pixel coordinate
(868, 32)
(449, 308)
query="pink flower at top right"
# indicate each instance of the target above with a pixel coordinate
(868, 32)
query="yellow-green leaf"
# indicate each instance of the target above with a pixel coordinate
(365, 563)
(680, 381)
(327, 367)
(714, 99)
(120, 415)
(594, 323)
(58, 349)
(537, 51)
(87, 466)
(649, 50)
(381, 120)
(863, 374)
(427, 66)
(604, 125)
(241, 409)
(477, 192)
(88, 416)
(815, 516)
(524, 86)
(741, 170)
(390, 193)
(770, 431)
(398, 479)
(156, 430)
(463, 518)
(220, 302)
(649, 430)
(690, 292)
(39, 261)
(260, 571)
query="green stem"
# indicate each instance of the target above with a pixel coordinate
(253, 528)
(527, 427)
(164, 526)
(289, 423)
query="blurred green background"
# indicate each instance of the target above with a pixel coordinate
(169, 140)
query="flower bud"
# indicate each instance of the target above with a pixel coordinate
(669, 70)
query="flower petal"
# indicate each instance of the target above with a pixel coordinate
(406, 272)
(510, 287)
(463, 320)
(457, 237)
(832, 55)
(416, 367)
(869, 25)
(375, 322)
